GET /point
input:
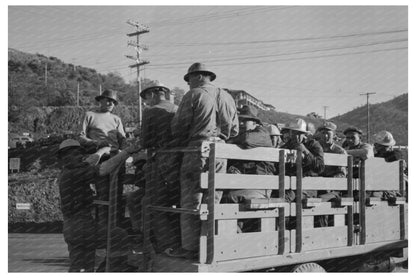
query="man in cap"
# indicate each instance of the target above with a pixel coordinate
(102, 128)
(206, 113)
(275, 135)
(325, 136)
(295, 138)
(77, 197)
(355, 147)
(165, 190)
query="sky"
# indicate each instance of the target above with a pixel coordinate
(297, 58)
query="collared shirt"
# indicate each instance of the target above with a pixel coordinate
(331, 171)
(205, 112)
(102, 126)
(259, 137)
(156, 130)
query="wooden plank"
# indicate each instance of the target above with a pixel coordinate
(232, 211)
(362, 201)
(282, 173)
(264, 203)
(227, 227)
(350, 215)
(324, 238)
(299, 205)
(382, 223)
(323, 183)
(307, 222)
(237, 181)
(339, 220)
(380, 175)
(268, 224)
(325, 208)
(231, 151)
(211, 203)
(333, 159)
(246, 245)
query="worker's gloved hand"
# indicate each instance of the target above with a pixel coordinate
(105, 150)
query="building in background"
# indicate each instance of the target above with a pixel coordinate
(243, 98)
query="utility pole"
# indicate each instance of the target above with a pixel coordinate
(46, 74)
(325, 107)
(368, 114)
(78, 94)
(140, 29)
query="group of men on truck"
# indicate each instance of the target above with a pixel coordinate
(206, 113)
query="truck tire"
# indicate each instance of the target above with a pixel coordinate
(308, 267)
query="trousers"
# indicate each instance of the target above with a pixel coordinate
(192, 195)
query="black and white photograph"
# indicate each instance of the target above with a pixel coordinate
(218, 137)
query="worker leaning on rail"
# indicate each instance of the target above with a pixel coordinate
(295, 138)
(165, 190)
(383, 147)
(206, 113)
(102, 128)
(74, 181)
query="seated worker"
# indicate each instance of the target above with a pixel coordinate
(79, 227)
(325, 136)
(251, 135)
(275, 135)
(383, 147)
(295, 138)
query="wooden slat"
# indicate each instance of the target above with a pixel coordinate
(227, 227)
(380, 175)
(350, 215)
(362, 201)
(231, 151)
(322, 209)
(324, 238)
(333, 159)
(339, 220)
(237, 181)
(321, 183)
(382, 223)
(299, 205)
(246, 245)
(232, 211)
(211, 203)
(268, 225)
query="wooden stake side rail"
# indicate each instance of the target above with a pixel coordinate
(222, 248)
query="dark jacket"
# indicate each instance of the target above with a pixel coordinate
(258, 137)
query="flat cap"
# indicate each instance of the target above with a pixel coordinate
(328, 126)
(353, 129)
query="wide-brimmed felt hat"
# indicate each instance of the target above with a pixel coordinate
(68, 144)
(248, 113)
(384, 138)
(199, 68)
(152, 86)
(328, 126)
(353, 129)
(110, 94)
(297, 125)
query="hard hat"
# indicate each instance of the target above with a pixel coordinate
(68, 143)
(297, 124)
(108, 94)
(328, 126)
(353, 129)
(384, 138)
(199, 68)
(273, 130)
(154, 85)
(248, 112)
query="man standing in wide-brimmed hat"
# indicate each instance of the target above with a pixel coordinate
(164, 191)
(206, 113)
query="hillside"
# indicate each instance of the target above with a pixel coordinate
(391, 115)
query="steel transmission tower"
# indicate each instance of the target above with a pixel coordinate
(140, 29)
